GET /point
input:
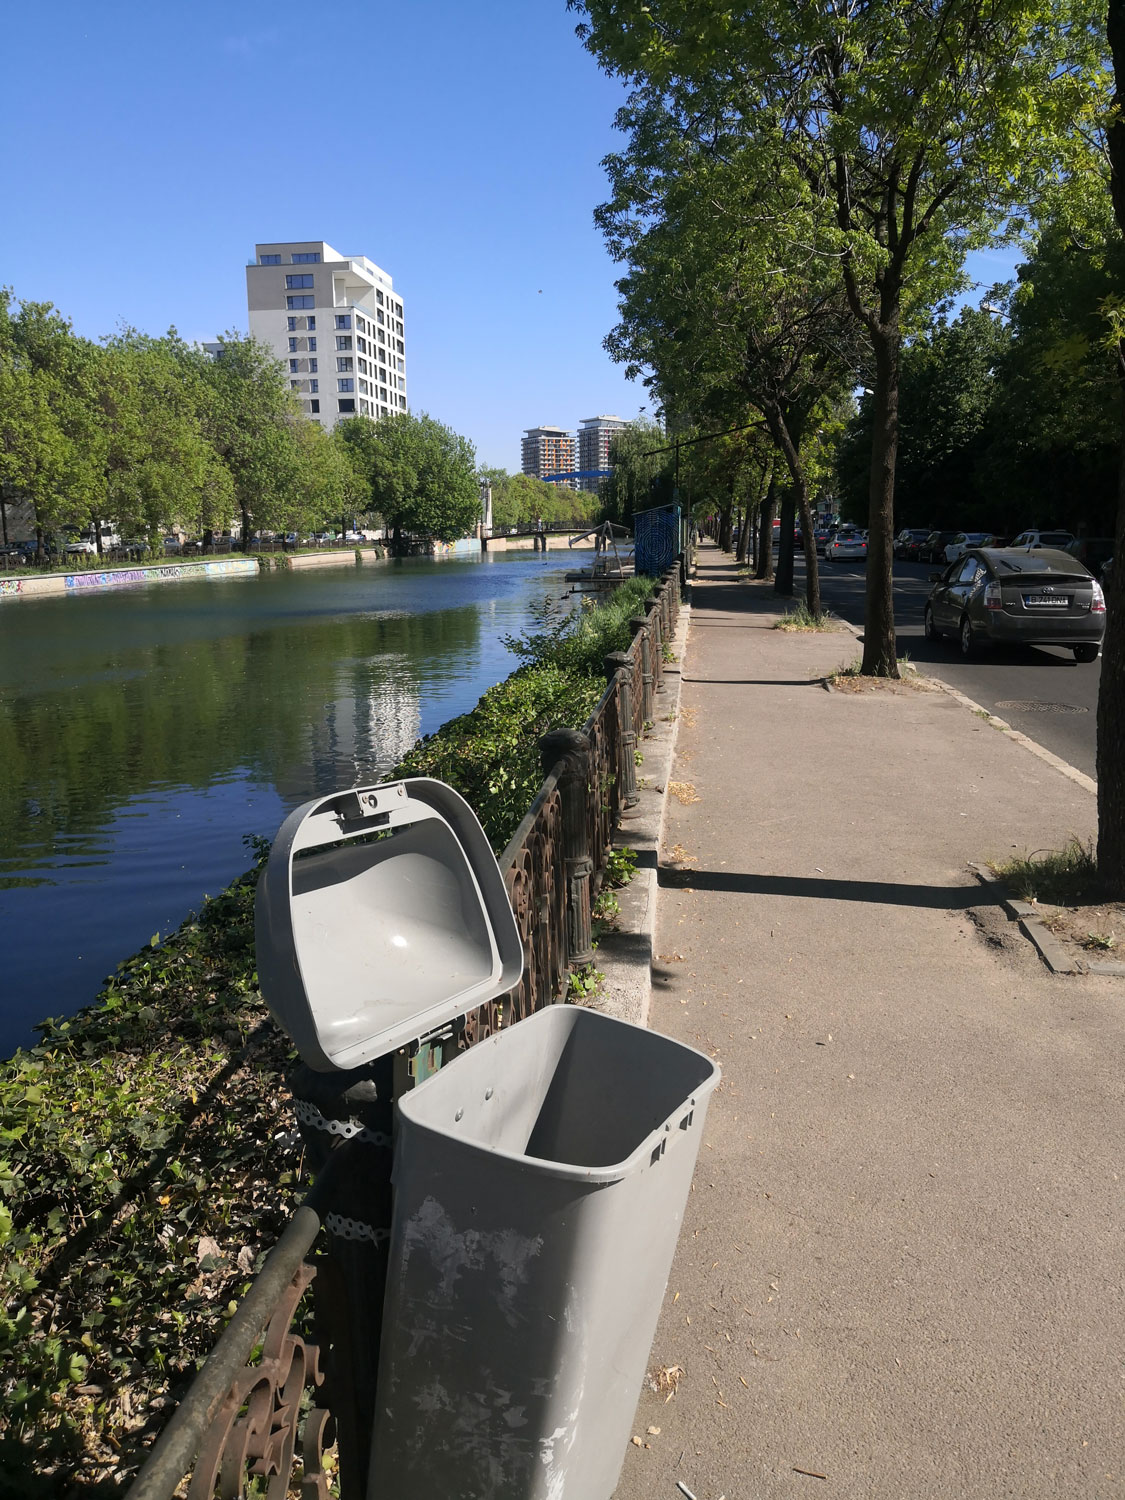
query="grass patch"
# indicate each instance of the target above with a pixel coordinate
(1060, 877)
(801, 617)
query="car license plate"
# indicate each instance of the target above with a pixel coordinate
(1047, 601)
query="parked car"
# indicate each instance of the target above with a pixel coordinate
(1033, 597)
(822, 536)
(847, 543)
(81, 547)
(908, 541)
(1093, 552)
(933, 548)
(1029, 539)
(966, 539)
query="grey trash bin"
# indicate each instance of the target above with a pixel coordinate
(540, 1180)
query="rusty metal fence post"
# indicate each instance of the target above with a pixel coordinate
(639, 626)
(618, 669)
(656, 643)
(572, 749)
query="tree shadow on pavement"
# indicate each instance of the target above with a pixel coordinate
(880, 892)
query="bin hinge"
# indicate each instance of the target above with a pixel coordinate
(353, 1229)
(347, 1130)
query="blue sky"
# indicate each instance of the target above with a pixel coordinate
(457, 145)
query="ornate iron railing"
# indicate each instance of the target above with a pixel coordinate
(260, 1422)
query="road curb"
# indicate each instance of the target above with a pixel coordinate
(1072, 773)
(1031, 924)
(624, 955)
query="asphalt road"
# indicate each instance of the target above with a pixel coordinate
(1042, 691)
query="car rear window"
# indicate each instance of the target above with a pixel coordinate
(1054, 538)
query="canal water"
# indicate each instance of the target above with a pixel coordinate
(146, 732)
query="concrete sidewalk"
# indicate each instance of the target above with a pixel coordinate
(900, 1271)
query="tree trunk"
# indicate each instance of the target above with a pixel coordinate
(1111, 694)
(724, 526)
(764, 568)
(880, 657)
(744, 536)
(245, 514)
(783, 583)
(790, 444)
(1111, 699)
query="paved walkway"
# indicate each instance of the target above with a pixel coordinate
(900, 1272)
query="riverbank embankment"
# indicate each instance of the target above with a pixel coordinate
(44, 585)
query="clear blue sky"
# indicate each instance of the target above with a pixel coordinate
(458, 145)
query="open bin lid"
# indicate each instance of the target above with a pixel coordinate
(380, 916)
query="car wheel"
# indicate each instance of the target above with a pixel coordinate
(930, 627)
(968, 645)
(1086, 652)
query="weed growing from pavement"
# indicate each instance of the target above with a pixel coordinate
(1103, 942)
(801, 617)
(1061, 877)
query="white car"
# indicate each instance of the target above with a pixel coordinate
(846, 543)
(1030, 539)
(966, 539)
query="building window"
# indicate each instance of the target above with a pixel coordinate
(365, 408)
(294, 385)
(364, 388)
(294, 283)
(343, 341)
(364, 367)
(348, 405)
(310, 324)
(345, 385)
(343, 320)
(382, 337)
(400, 346)
(269, 260)
(382, 357)
(292, 302)
(313, 365)
(344, 363)
(314, 407)
(306, 258)
(294, 366)
(380, 317)
(401, 383)
(293, 342)
(312, 343)
(292, 322)
(401, 364)
(314, 385)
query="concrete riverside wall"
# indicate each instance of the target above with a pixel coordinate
(556, 541)
(40, 584)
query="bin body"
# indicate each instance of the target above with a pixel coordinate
(540, 1181)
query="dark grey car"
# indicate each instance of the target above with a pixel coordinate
(1039, 598)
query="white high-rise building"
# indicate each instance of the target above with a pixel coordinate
(336, 322)
(594, 437)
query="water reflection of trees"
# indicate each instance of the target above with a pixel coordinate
(290, 705)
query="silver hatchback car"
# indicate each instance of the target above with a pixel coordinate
(1041, 597)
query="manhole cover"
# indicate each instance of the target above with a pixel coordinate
(1036, 706)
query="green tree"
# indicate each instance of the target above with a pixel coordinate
(251, 420)
(905, 135)
(951, 382)
(421, 476)
(642, 472)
